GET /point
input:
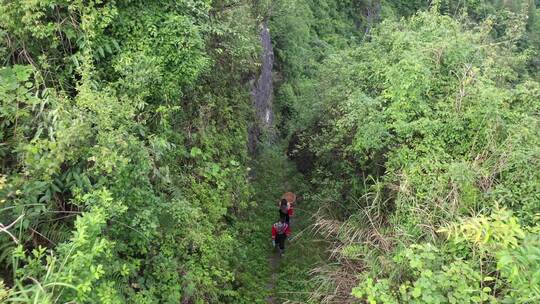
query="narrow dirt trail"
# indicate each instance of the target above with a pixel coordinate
(286, 278)
(274, 261)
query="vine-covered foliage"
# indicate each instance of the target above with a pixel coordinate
(421, 135)
(123, 161)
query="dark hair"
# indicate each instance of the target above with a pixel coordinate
(284, 202)
(282, 218)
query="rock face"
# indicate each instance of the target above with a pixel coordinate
(261, 95)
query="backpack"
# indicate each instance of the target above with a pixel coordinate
(281, 227)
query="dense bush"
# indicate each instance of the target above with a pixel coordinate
(124, 171)
(430, 122)
(123, 149)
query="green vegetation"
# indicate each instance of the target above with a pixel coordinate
(421, 135)
(123, 149)
(411, 130)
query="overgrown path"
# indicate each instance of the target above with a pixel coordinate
(288, 277)
(273, 261)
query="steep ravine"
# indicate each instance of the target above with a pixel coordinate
(272, 175)
(262, 103)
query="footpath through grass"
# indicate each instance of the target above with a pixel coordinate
(275, 279)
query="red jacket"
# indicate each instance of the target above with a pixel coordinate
(280, 228)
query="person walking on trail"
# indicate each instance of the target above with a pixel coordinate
(286, 210)
(280, 232)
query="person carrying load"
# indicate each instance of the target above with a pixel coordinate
(280, 232)
(286, 206)
(285, 210)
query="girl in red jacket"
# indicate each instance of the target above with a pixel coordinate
(280, 232)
